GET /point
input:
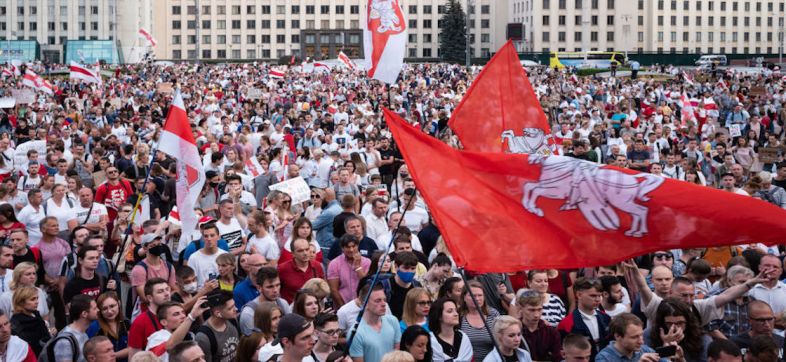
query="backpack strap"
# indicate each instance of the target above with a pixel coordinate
(50, 348)
(211, 336)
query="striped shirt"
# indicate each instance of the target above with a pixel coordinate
(481, 341)
(554, 310)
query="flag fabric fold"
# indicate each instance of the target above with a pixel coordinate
(177, 141)
(385, 39)
(31, 79)
(344, 59)
(78, 71)
(501, 112)
(509, 212)
(144, 33)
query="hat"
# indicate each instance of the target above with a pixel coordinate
(210, 174)
(204, 220)
(149, 238)
(291, 325)
(269, 351)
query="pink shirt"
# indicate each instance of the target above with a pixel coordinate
(139, 276)
(348, 278)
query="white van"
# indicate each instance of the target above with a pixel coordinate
(712, 59)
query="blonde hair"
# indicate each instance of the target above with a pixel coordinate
(145, 356)
(398, 356)
(502, 323)
(19, 270)
(410, 304)
(22, 295)
(226, 258)
(318, 286)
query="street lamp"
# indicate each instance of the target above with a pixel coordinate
(469, 32)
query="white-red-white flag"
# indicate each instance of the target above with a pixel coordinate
(147, 36)
(687, 111)
(343, 58)
(46, 87)
(711, 107)
(321, 67)
(84, 73)
(30, 79)
(177, 141)
(688, 78)
(385, 39)
(273, 73)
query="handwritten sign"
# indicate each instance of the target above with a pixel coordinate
(254, 93)
(165, 87)
(296, 188)
(769, 154)
(23, 96)
(734, 131)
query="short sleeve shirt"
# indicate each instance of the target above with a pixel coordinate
(340, 269)
(372, 345)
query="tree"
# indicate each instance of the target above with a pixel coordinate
(453, 43)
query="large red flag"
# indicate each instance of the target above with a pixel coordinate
(177, 141)
(508, 212)
(501, 112)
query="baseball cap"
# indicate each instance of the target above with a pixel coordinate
(204, 220)
(270, 351)
(149, 238)
(290, 326)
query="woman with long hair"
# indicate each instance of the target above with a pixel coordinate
(8, 220)
(280, 205)
(302, 229)
(26, 323)
(266, 317)
(249, 346)
(744, 154)
(315, 208)
(360, 174)
(226, 272)
(24, 275)
(474, 319)
(676, 322)
(417, 304)
(448, 342)
(306, 304)
(111, 324)
(417, 341)
(451, 288)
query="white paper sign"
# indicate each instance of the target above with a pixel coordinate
(296, 188)
(734, 131)
(20, 154)
(23, 96)
(7, 102)
(254, 93)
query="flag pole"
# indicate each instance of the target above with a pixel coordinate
(139, 195)
(353, 331)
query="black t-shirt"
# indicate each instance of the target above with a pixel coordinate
(386, 155)
(397, 296)
(338, 223)
(78, 285)
(779, 183)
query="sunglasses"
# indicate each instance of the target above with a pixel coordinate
(331, 332)
(315, 196)
(663, 255)
(424, 303)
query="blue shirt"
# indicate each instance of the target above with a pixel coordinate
(611, 354)
(372, 345)
(244, 292)
(324, 225)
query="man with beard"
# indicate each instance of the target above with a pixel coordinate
(612, 296)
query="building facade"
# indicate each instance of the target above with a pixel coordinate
(52, 23)
(664, 26)
(273, 29)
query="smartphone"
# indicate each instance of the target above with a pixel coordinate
(212, 276)
(666, 351)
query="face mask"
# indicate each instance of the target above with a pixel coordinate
(157, 250)
(405, 276)
(214, 184)
(190, 288)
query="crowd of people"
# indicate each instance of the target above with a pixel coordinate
(267, 277)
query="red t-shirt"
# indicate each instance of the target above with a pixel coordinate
(144, 325)
(112, 196)
(292, 278)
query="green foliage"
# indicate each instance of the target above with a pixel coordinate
(453, 42)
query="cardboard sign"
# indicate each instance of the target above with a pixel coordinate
(165, 87)
(296, 188)
(7, 102)
(734, 131)
(23, 96)
(20, 154)
(758, 91)
(769, 154)
(254, 93)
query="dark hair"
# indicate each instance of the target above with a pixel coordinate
(209, 225)
(673, 307)
(442, 260)
(176, 352)
(183, 272)
(582, 284)
(347, 201)
(576, 340)
(231, 178)
(435, 314)
(346, 239)
(222, 297)
(90, 346)
(79, 303)
(266, 273)
(699, 267)
(406, 258)
(607, 282)
(723, 345)
(164, 308)
(8, 211)
(620, 323)
(447, 286)
(324, 318)
(150, 283)
(299, 304)
(410, 335)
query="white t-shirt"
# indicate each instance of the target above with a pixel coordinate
(415, 219)
(204, 266)
(265, 246)
(95, 214)
(64, 213)
(31, 219)
(27, 183)
(232, 233)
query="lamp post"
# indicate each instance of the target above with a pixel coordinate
(469, 33)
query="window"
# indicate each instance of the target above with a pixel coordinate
(221, 10)
(266, 9)
(484, 9)
(413, 23)
(698, 36)
(191, 10)
(562, 4)
(264, 24)
(280, 38)
(578, 20)
(281, 9)
(221, 54)
(339, 9)
(660, 20)
(251, 24)
(685, 5)
(324, 9)
(685, 36)
(310, 24)
(427, 23)
(206, 10)
(354, 9)
(610, 36)
(310, 9)
(641, 20)
(673, 20)
(281, 24)
(577, 36)
(235, 39)
(710, 36)
(611, 4)
(673, 36)
(426, 52)
(685, 20)
(221, 24)
(191, 39)
(296, 38)
(250, 9)
(427, 9)
(561, 20)
(295, 9)
(235, 24)
(578, 4)
(265, 39)
(698, 5)
(723, 21)
(723, 36)
(191, 24)
(698, 20)
(485, 23)
(205, 39)
(711, 20)
(175, 25)
(641, 4)
(175, 39)
(561, 36)
(673, 4)
(610, 20)
(594, 20)
(427, 38)
(177, 54)
(413, 52)
(295, 24)
(660, 4)
(63, 12)
(412, 38)
(206, 53)
(546, 6)
(64, 26)
(594, 36)
(205, 24)
(660, 36)
(235, 9)
(34, 26)
(545, 20)
(20, 10)
(723, 6)
(175, 10)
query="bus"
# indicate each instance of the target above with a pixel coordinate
(581, 60)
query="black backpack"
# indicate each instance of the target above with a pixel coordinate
(211, 336)
(48, 352)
